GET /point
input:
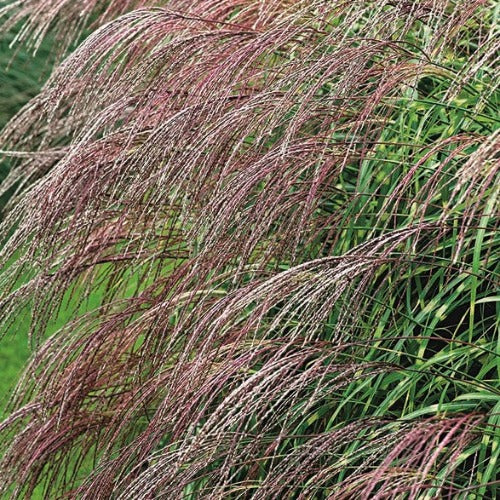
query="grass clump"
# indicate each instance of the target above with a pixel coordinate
(272, 231)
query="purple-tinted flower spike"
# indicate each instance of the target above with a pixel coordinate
(256, 244)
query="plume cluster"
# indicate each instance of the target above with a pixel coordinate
(257, 242)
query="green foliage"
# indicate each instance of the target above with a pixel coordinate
(21, 76)
(258, 243)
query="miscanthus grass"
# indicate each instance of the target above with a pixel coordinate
(272, 230)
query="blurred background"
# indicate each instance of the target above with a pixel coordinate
(22, 74)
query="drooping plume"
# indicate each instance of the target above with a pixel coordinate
(271, 230)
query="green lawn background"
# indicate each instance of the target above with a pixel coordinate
(21, 75)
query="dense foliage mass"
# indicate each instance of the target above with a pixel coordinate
(273, 226)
